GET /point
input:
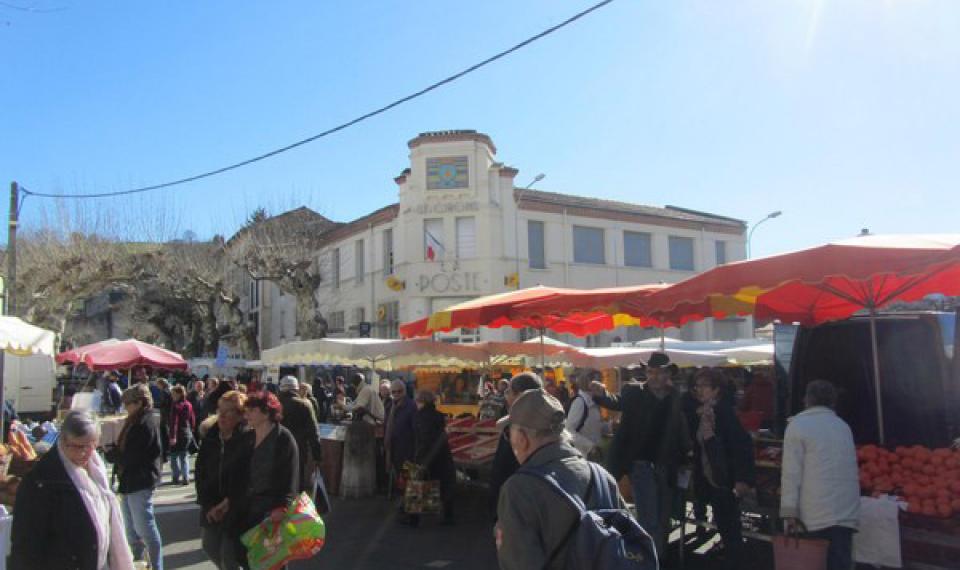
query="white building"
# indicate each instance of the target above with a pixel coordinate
(453, 236)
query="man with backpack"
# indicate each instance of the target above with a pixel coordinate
(560, 511)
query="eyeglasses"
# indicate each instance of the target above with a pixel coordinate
(81, 446)
(397, 391)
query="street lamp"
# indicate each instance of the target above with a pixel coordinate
(516, 221)
(770, 216)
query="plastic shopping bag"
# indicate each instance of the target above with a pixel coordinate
(298, 536)
(792, 553)
(422, 498)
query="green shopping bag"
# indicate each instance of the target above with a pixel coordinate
(299, 535)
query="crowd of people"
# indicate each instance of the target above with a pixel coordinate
(257, 447)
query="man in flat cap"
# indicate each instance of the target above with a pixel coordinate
(533, 521)
(651, 443)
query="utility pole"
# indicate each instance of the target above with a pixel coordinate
(11, 284)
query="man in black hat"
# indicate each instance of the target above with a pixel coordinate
(651, 443)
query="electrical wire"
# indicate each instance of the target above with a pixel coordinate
(337, 128)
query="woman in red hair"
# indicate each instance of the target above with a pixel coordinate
(273, 478)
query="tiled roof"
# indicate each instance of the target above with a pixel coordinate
(670, 212)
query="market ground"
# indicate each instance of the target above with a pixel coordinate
(363, 534)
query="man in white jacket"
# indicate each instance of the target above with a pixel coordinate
(820, 486)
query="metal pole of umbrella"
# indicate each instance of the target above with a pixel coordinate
(874, 349)
(663, 340)
(543, 357)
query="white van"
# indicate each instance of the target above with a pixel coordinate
(29, 382)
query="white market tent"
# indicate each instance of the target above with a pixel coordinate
(746, 351)
(616, 357)
(22, 339)
(386, 354)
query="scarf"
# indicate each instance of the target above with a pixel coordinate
(104, 510)
(706, 431)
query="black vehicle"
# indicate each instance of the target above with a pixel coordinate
(919, 374)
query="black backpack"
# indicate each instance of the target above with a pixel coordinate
(606, 537)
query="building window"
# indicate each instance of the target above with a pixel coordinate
(254, 294)
(535, 245)
(433, 249)
(335, 267)
(335, 322)
(466, 238)
(588, 245)
(681, 253)
(388, 320)
(388, 251)
(721, 247)
(637, 250)
(358, 261)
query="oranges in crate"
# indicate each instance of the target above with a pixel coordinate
(927, 479)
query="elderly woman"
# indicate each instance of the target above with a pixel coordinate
(273, 478)
(432, 451)
(221, 468)
(138, 467)
(70, 517)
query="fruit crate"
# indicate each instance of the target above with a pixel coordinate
(929, 543)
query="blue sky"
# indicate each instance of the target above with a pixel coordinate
(841, 113)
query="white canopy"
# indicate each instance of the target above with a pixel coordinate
(745, 351)
(374, 352)
(617, 357)
(21, 338)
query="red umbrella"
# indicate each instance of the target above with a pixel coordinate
(577, 311)
(811, 286)
(115, 354)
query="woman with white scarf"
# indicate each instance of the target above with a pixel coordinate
(68, 516)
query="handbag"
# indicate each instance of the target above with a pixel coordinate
(420, 496)
(298, 536)
(791, 552)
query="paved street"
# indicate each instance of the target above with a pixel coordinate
(363, 534)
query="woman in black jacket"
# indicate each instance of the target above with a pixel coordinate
(140, 459)
(69, 518)
(432, 450)
(723, 460)
(273, 477)
(220, 473)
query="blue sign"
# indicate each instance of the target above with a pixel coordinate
(221, 356)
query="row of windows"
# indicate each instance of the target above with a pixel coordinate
(385, 323)
(589, 246)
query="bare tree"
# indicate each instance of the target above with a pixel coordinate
(283, 250)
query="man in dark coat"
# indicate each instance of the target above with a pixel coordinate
(400, 436)
(504, 462)
(433, 450)
(299, 418)
(651, 443)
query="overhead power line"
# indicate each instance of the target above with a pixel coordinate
(337, 128)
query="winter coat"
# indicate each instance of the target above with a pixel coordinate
(820, 483)
(585, 422)
(221, 471)
(299, 418)
(432, 449)
(639, 426)
(253, 506)
(729, 452)
(400, 438)
(533, 520)
(140, 461)
(52, 528)
(182, 424)
(504, 465)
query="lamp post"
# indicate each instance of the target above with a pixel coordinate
(516, 221)
(770, 216)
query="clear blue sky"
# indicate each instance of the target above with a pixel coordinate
(842, 113)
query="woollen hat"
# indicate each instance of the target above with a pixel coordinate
(289, 383)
